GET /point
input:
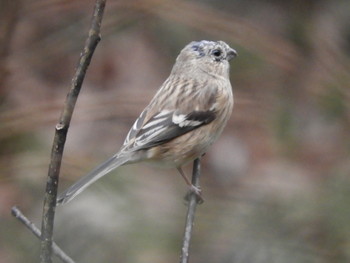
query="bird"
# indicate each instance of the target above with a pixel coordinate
(186, 115)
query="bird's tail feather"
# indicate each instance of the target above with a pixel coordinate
(91, 177)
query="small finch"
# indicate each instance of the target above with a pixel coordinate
(187, 114)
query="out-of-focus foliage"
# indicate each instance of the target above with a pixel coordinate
(276, 184)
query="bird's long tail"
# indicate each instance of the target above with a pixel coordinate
(91, 177)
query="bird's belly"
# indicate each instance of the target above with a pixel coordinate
(183, 149)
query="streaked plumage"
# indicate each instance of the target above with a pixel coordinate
(184, 118)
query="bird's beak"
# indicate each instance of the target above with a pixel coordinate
(231, 54)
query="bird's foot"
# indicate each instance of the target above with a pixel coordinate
(197, 191)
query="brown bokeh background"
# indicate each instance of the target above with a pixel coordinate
(276, 184)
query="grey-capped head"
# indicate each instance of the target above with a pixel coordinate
(208, 56)
(215, 50)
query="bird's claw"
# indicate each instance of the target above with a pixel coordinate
(197, 191)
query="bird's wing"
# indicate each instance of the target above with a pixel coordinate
(173, 114)
(136, 127)
(168, 125)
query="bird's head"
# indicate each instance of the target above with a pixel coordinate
(207, 56)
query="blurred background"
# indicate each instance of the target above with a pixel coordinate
(276, 185)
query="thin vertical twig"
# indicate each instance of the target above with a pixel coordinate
(192, 205)
(61, 133)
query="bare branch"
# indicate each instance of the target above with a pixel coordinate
(55, 248)
(61, 133)
(192, 204)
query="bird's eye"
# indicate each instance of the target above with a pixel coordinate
(217, 53)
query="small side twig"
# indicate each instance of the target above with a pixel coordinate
(192, 205)
(61, 133)
(55, 248)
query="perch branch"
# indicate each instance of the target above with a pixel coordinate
(192, 204)
(61, 133)
(25, 221)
